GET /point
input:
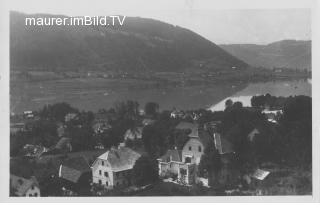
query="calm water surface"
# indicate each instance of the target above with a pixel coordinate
(96, 96)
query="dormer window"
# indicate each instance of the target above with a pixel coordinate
(102, 163)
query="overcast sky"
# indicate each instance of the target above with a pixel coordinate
(222, 23)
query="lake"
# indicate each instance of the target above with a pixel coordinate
(96, 94)
(275, 88)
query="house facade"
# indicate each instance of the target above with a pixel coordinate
(113, 169)
(23, 187)
(171, 165)
(184, 163)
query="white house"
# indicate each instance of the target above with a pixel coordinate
(114, 167)
(23, 187)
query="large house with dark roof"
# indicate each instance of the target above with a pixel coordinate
(183, 163)
(114, 168)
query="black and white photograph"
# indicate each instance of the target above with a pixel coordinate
(159, 98)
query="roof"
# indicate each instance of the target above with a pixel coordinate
(186, 125)
(73, 168)
(172, 155)
(63, 143)
(222, 145)
(200, 134)
(260, 174)
(189, 126)
(21, 185)
(120, 159)
(253, 133)
(204, 138)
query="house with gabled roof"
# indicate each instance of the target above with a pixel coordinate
(23, 187)
(113, 168)
(187, 160)
(169, 163)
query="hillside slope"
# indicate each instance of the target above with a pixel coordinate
(141, 45)
(287, 53)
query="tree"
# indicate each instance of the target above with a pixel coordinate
(44, 133)
(81, 133)
(210, 163)
(237, 105)
(127, 110)
(145, 171)
(151, 109)
(228, 103)
(56, 112)
(295, 131)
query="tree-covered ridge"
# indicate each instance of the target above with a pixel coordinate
(139, 46)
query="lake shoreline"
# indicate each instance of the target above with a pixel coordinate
(33, 95)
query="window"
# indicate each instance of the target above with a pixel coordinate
(36, 194)
(106, 174)
(99, 172)
(100, 182)
(190, 148)
(30, 195)
(107, 183)
(187, 160)
(199, 149)
(32, 187)
(102, 162)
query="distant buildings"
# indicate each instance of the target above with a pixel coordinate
(272, 115)
(28, 114)
(30, 150)
(70, 117)
(23, 187)
(113, 169)
(133, 134)
(147, 121)
(176, 114)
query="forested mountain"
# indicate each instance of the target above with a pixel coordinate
(140, 45)
(287, 53)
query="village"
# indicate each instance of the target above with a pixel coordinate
(259, 150)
